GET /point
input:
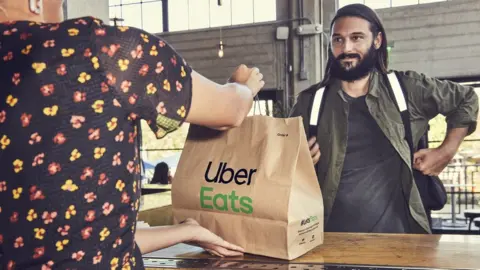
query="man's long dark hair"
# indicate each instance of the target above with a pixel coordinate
(376, 26)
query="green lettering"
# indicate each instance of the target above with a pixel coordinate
(233, 198)
(204, 198)
(220, 201)
(224, 198)
(246, 203)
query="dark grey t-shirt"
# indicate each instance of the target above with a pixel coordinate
(370, 196)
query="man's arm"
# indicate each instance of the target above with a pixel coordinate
(458, 103)
(433, 161)
(429, 97)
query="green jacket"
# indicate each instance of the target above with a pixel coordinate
(427, 97)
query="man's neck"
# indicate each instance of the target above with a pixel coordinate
(357, 88)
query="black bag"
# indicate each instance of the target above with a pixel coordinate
(431, 188)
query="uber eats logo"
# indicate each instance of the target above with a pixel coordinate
(209, 199)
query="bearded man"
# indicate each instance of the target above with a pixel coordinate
(365, 166)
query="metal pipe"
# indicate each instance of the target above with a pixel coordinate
(301, 41)
(322, 42)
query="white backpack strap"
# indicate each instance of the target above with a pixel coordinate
(317, 103)
(397, 91)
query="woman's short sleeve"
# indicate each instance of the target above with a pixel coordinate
(150, 78)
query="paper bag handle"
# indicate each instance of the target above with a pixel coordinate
(256, 100)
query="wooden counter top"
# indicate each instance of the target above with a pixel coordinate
(433, 251)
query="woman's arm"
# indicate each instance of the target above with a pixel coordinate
(152, 81)
(223, 106)
(156, 238)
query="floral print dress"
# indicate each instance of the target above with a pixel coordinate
(71, 97)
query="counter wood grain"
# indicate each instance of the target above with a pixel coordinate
(435, 251)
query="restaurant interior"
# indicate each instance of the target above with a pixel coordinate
(288, 40)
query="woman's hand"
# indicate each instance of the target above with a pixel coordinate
(251, 77)
(209, 241)
(240, 75)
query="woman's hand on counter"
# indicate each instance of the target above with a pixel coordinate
(189, 232)
(209, 241)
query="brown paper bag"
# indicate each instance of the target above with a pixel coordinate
(254, 185)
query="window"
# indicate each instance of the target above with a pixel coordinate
(157, 16)
(146, 14)
(377, 4)
(199, 14)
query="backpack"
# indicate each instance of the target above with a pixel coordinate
(431, 189)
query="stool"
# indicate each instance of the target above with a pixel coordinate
(470, 215)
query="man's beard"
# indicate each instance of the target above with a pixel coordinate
(362, 69)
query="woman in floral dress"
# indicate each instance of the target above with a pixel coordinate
(71, 96)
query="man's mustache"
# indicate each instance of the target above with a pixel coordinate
(348, 55)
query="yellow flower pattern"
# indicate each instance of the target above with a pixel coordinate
(151, 89)
(39, 233)
(84, 77)
(17, 192)
(27, 49)
(12, 101)
(153, 51)
(51, 111)
(73, 31)
(69, 186)
(32, 215)
(4, 142)
(123, 64)
(99, 151)
(71, 93)
(39, 67)
(68, 52)
(96, 64)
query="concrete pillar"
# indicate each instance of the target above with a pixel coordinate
(315, 47)
(311, 71)
(81, 8)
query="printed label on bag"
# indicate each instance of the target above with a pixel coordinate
(306, 232)
(209, 199)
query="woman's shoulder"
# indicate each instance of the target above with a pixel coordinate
(79, 21)
(84, 22)
(73, 27)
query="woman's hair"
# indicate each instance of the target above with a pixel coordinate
(160, 176)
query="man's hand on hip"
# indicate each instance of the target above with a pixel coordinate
(431, 161)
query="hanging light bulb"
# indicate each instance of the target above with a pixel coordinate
(220, 49)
